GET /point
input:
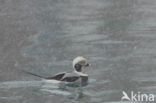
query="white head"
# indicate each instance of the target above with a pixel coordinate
(80, 62)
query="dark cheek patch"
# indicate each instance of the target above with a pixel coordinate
(78, 67)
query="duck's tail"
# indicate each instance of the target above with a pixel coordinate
(35, 75)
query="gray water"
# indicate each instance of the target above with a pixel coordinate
(118, 37)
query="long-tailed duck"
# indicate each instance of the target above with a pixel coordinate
(77, 76)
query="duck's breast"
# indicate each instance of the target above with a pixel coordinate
(84, 79)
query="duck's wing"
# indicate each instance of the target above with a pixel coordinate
(70, 77)
(58, 76)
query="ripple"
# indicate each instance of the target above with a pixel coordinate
(58, 92)
(88, 38)
(23, 84)
(113, 42)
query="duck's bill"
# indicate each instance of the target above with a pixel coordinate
(87, 65)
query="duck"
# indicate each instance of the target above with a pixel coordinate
(77, 76)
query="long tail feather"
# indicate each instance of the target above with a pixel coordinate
(35, 75)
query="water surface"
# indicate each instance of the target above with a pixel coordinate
(116, 36)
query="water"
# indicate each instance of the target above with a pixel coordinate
(116, 36)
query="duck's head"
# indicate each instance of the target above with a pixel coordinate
(80, 62)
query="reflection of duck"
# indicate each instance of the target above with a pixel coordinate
(77, 76)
